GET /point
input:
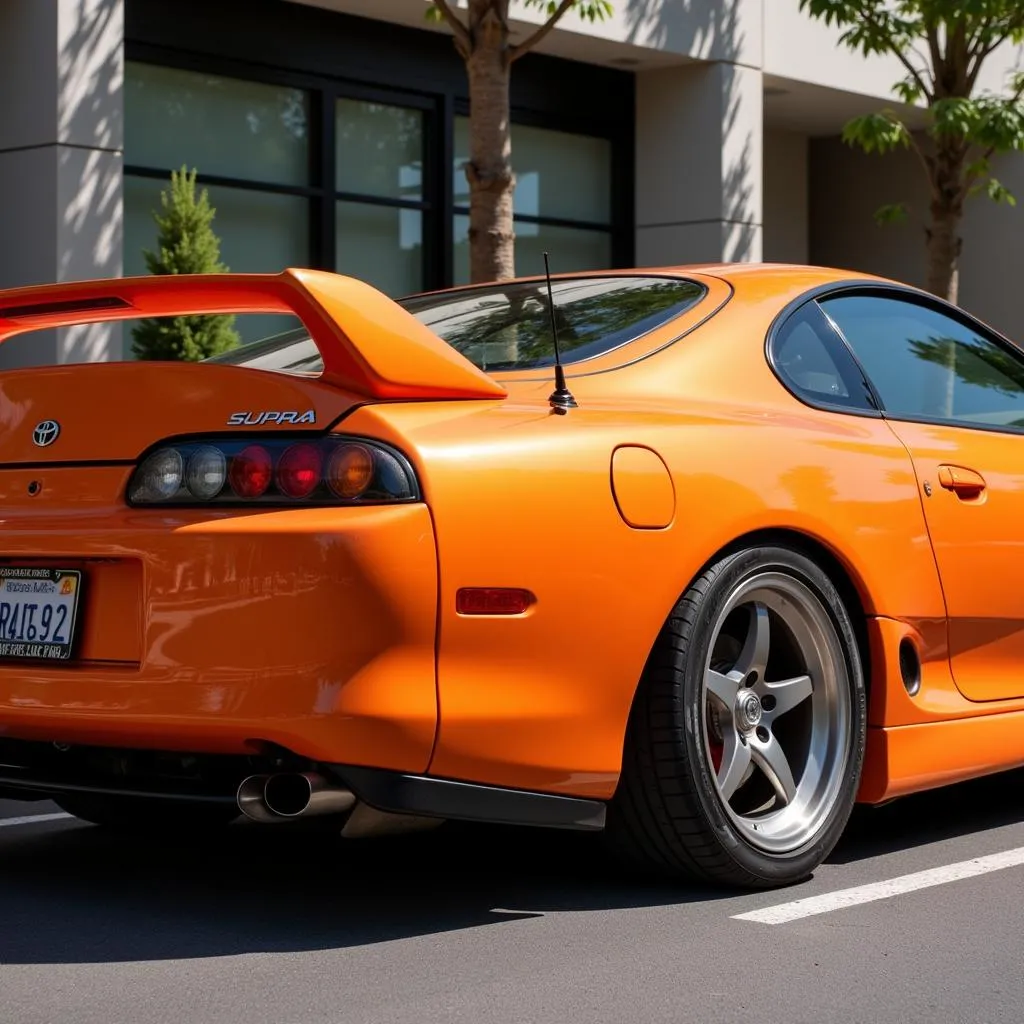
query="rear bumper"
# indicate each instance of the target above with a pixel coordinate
(33, 771)
(312, 630)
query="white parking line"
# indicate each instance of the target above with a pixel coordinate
(31, 819)
(842, 898)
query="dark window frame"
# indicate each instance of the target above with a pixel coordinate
(158, 32)
(320, 191)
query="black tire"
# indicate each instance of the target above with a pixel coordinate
(669, 814)
(142, 816)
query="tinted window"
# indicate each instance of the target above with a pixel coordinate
(508, 327)
(812, 361)
(927, 365)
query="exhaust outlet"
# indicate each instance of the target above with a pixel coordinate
(275, 798)
(250, 798)
(305, 794)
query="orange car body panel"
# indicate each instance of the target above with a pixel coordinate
(335, 633)
(217, 632)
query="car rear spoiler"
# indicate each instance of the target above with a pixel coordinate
(368, 343)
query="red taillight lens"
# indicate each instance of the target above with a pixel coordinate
(298, 472)
(492, 601)
(252, 469)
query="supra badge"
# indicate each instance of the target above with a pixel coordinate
(257, 419)
(45, 433)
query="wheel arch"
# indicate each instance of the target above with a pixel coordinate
(844, 578)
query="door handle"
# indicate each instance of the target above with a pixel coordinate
(964, 483)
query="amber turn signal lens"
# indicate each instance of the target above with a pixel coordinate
(350, 471)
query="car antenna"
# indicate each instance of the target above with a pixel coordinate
(561, 399)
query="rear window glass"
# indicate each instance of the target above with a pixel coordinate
(508, 327)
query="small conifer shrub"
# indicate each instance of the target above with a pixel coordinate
(186, 244)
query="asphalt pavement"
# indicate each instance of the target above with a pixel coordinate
(915, 917)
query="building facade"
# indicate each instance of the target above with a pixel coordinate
(330, 133)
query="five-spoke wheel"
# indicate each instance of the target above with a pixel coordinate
(745, 744)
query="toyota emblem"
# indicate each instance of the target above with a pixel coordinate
(46, 433)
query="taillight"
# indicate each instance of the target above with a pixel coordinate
(300, 470)
(326, 471)
(252, 470)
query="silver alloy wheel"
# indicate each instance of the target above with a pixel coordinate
(776, 712)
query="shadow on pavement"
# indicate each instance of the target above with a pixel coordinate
(77, 894)
(81, 895)
(964, 809)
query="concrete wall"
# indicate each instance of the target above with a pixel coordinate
(61, 69)
(698, 177)
(847, 187)
(786, 197)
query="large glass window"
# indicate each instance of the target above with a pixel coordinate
(562, 200)
(379, 174)
(223, 126)
(347, 177)
(926, 365)
(250, 134)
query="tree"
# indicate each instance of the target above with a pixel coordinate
(186, 244)
(942, 45)
(484, 42)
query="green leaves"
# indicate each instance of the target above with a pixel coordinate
(876, 133)
(870, 26)
(883, 26)
(588, 10)
(892, 213)
(943, 45)
(999, 193)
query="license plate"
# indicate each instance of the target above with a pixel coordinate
(38, 608)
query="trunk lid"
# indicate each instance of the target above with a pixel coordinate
(111, 412)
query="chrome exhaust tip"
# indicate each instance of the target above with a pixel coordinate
(250, 799)
(275, 798)
(304, 794)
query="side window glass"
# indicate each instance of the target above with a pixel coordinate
(926, 365)
(814, 363)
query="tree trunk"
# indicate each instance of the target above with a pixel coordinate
(947, 207)
(944, 245)
(489, 171)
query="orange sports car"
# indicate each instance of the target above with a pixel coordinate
(743, 549)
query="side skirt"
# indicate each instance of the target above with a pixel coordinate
(445, 798)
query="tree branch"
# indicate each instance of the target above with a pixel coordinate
(463, 40)
(869, 17)
(921, 155)
(532, 40)
(977, 44)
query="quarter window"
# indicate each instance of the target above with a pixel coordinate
(926, 365)
(814, 363)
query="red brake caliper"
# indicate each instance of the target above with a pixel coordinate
(715, 747)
